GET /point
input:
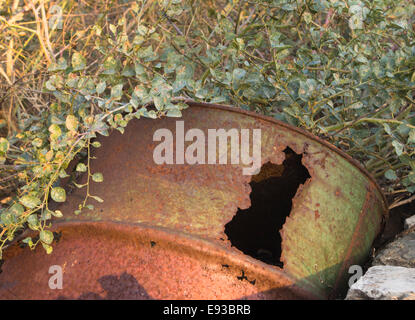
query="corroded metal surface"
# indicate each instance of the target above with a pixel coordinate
(336, 214)
(117, 261)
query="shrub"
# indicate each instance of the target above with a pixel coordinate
(341, 69)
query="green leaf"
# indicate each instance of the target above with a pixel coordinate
(71, 123)
(30, 202)
(55, 131)
(150, 114)
(57, 214)
(80, 167)
(97, 199)
(63, 174)
(307, 17)
(140, 92)
(387, 129)
(134, 102)
(7, 218)
(97, 177)
(79, 186)
(411, 137)
(356, 105)
(46, 215)
(116, 91)
(16, 209)
(275, 39)
(33, 221)
(4, 145)
(49, 85)
(60, 65)
(101, 87)
(398, 147)
(176, 113)
(142, 30)
(110, 66)
(238, 74)
(78, 61)
(113, 29)
(306, 89)
(46, 236)
(145, 52)
(128, 71)
(390, 175)
(160, 102)
(37, 142)
(58, 194)
(47, 247)
(27, 240)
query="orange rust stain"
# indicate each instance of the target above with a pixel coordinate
(338, 192)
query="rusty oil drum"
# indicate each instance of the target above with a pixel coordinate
(161, 232)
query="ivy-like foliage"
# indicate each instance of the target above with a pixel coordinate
(341, 69)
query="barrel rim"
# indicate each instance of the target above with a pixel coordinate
(192, 242)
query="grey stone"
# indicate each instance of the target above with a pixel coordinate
(400, 252)
(410, 222)
(384, 283)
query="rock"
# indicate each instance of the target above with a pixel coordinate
(400, 252)
(410, 222)
(384, 283)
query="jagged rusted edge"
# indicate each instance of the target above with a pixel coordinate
(309, 135)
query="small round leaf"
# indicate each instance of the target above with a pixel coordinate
(29, 201)
(71, 123)
(58, 194)
(97, 177)
(46, 236)
(81, 167)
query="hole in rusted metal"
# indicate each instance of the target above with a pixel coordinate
(255, 231)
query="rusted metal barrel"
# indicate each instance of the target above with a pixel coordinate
(208, 231)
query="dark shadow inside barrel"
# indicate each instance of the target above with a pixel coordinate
(255, 231)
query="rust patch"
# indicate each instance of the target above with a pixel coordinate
(115, 261)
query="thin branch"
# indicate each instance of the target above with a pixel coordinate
(401, 203)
